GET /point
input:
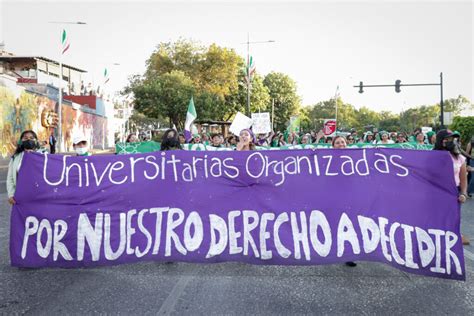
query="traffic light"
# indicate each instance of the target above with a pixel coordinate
(397, 86)
(361, 86)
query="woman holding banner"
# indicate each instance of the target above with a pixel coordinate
(170, 140)
(446, 140)
(385, 139)
(28, 143)
(420, 138)
(339, 142)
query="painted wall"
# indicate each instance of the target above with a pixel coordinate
(21, 109)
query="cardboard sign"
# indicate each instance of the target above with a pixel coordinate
(239, 123)
(426, 129)
(329, 128)
(261, 123)
(294, 124)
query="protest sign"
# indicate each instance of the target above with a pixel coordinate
(261, 123)
(299, 207)
(239, 123)
(294, 126)
(329, 128)
(426, 129)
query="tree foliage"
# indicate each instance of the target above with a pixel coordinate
(215, 76)
(465, 126)
(282, 91)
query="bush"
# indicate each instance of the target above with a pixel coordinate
(465, 126)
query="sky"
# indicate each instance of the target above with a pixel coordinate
(319, 44)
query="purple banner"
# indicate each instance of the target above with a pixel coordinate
(289, 207)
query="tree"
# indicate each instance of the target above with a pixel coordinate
(215, 75)
(140, 122)
(465, 126)
(425, 115)
(389, 122)
(457, 105)
(282, 89)
(165, 96)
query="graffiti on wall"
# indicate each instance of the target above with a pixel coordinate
(25, 110)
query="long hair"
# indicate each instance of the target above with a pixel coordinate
(169, 142)
(439, 144)
(20, 148)
(336, 138)
(128, 137)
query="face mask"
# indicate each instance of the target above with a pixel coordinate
(81, 151)
(451, 146)
(28, 144)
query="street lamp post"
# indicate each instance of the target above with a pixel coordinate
(248, 67)
(60, 84)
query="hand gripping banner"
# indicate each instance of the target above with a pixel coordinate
(285, 207)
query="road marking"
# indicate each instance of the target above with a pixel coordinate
(178, 289)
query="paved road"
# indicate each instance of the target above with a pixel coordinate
(230, 288)
(3, 174)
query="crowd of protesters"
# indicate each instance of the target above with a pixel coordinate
(280, 139)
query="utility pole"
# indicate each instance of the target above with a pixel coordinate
(248, 67)
(60, 84)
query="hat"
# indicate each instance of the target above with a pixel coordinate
(383, 133)
(430, 134)
(369, 133)
(456, 134)
(78, 138)
(445, 133)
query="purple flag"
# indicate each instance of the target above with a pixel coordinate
(288, 207)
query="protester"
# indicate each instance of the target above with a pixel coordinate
(446, 140)
(431, 137)
(401, 138)
(246, 140)
(369, 137)
(132, 138)
(420, 138)
(170, 140)
(182, 138)
(393, 137)
(216, 140)
(339, 142)
(278, 140)
(80, 145)
(306, 139)
(384, 138)
(320, 137)
(470, 167)
(291, 139)
(264, 139)
(205, 138)
(196, 139)
(350, 139)
(232, 141)
(52, 142)
(28, 142)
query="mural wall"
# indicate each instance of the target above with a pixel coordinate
(21, 110)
